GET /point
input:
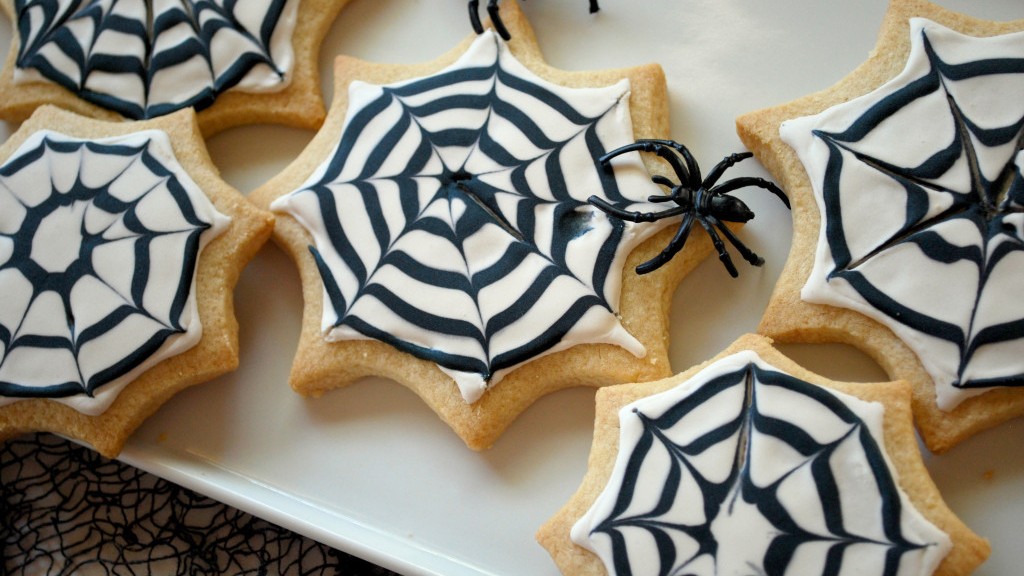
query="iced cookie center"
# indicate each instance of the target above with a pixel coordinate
(146, 58)
(744, 469)
(742, 535)
(53, 248)
(98, 258)
(459, 187)
(920, 186)
(451, 219)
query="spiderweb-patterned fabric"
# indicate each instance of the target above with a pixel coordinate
(66, 510)
(146, 58)
(747, 470)
(451, 220)
(947, 204)
(99, 242)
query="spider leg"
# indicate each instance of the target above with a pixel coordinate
(612, 210)
(744, 181)
(659, 179)
(474, 16)
(499, 26)
(673, 191)
(691, 175)
(673, 247)
(643, 144)
(693, 179)
(726, 163)
(747, 253)
(663, 148)
(723, 255)
(658, 198)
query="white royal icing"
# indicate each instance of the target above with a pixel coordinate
(926, 256)
(144, 58)
(99, 245)
(743, 469)
(384, 207)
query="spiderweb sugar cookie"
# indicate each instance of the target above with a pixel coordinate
(906, 179)
(441, 227)
(750, 464)
(119, 250)
(235, 63)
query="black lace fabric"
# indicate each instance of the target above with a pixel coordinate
(65, 510)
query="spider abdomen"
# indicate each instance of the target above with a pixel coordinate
(730, 209)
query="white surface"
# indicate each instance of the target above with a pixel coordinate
(369, 469)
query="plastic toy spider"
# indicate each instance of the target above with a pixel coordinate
(705, 201)
(499, 26)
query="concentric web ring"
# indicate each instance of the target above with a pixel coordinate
(99, 242)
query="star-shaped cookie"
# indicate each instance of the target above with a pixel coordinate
(441, 227)
(119, 250)
(907, 189)
(750, 464)
(246, 63)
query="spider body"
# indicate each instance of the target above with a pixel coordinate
(696, 199)
(492, 12)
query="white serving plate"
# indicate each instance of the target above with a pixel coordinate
(369, 469)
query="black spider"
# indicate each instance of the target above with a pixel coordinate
(492, 11)
(702, 200)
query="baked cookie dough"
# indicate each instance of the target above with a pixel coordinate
(750, 464)
(244, 63)
(908, 206)
(440, 224)
(119, 250)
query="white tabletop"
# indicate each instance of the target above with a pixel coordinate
(369, 469)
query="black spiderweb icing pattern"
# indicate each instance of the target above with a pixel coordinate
(456, 205)
(146, 58)
(739, 476)
(66, 510)
(98, 249)
(963, 212)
